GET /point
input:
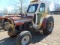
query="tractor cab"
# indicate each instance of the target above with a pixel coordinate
(38, 10)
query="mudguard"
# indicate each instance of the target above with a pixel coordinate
(45, 21)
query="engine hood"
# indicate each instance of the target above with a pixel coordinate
(22, 21)
(11, 16)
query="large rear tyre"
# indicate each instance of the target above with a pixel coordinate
(49, 26)
(24, 38)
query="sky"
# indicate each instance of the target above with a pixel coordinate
(11, 4)
(14, 4)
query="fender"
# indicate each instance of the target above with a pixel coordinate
(45, 21)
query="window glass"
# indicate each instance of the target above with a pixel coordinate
(32, 8)
(42, 7)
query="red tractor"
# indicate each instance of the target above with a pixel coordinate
(36, 20)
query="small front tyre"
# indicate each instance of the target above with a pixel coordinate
(24, 38)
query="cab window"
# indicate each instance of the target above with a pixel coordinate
(32, 8)
(42, 7)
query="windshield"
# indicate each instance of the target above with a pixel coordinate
(32, 8)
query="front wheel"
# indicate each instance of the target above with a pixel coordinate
(24, 38)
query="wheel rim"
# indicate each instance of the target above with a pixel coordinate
(25, 40)
(50, 26)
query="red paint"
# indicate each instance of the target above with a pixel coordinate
(1, 17)
(16, 18)
(19, 23)
(44, 23)
(12, 16)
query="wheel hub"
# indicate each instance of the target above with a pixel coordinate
(50, 26)
(25, 40)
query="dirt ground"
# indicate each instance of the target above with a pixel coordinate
(38, 39)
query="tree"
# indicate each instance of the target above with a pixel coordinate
(5, 11)
(21, 5)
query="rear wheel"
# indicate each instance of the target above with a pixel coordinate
(24, 38)
(49, 26)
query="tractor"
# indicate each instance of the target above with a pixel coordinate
(36, 19)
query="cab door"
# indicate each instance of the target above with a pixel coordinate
(41, 14)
